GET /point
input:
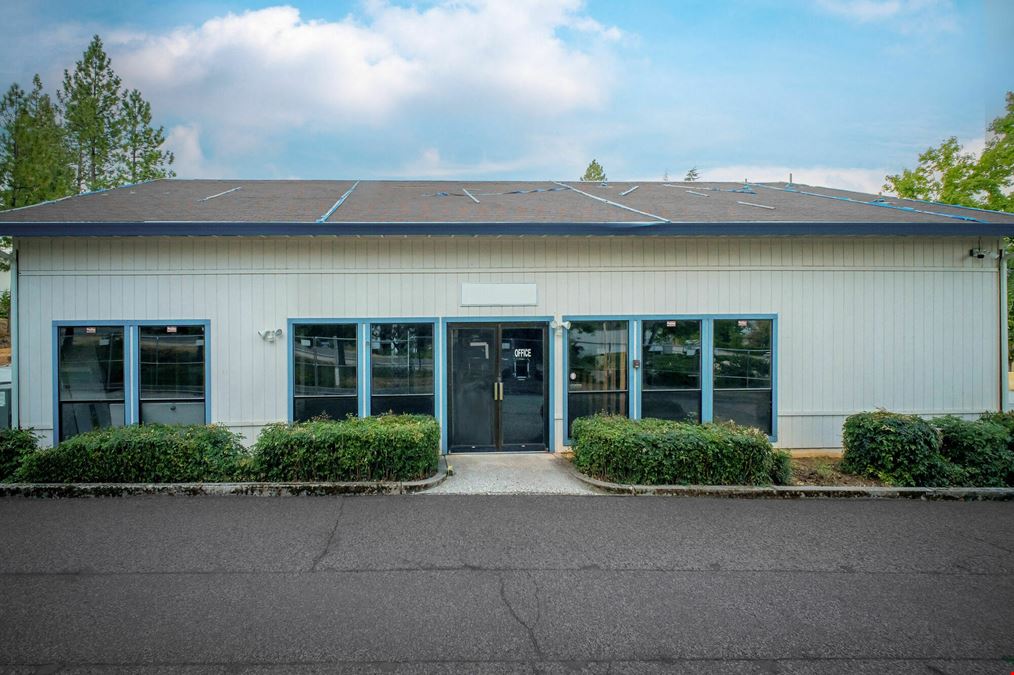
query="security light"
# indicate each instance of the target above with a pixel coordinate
(270, 335)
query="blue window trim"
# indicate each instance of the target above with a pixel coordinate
(634, 347)
(363, 355)
(131, 363)
(551, 348)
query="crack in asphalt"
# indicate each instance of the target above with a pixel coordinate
(529, 628)
(331, 537)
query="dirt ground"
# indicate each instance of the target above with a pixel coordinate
(825, 471)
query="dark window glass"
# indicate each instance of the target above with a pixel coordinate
(742, 372)
(590, 403)
(597, 362)
(172, 374)
(325, 370)
(332, 407)
(401, 364)
(671, 370)
(682, 405)
(401, 405)
(90, 378)
(749, 407)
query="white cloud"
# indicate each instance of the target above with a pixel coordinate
(272, 69)
(184, 141)
(925, 16)
(861, 180)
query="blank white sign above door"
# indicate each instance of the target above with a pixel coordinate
(499, 295)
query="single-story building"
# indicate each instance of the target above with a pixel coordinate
(506, 309)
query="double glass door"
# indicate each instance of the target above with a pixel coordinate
(497, 393)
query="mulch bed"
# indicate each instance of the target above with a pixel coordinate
(826, 471)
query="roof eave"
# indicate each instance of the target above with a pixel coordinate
(674, 229)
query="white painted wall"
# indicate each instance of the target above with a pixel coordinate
(907, 324)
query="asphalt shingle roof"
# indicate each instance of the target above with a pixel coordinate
(299, 207)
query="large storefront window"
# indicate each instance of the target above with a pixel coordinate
(90, 378)
(742, 372)
(597, 369)
(671, 356)
(401, 364)
(171, 373)
(325, 371)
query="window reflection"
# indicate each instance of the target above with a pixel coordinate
(401, 356)
(597, 369)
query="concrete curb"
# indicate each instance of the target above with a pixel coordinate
(798, 491)
(61, 490)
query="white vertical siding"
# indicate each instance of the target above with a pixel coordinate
(907, 324)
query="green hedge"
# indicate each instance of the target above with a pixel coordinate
(898, 449)
(908, 450)
(386, 447)
(148, 453)
(661, 452)
(14, 445)
(980, 448)
(1006, 420)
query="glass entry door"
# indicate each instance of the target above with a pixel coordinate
(497, 387)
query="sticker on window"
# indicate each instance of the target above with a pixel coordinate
(170, 329)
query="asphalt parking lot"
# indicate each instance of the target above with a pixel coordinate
(499, 584)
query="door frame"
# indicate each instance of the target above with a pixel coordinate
(447, 323)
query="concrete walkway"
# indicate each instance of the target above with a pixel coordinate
(509, 474)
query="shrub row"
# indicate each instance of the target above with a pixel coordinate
(387, 447)
(149, 453)
(907, 450)
(661, 452)
(14, 445)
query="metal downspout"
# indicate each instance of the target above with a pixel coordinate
(1002, 283)
(14, 323)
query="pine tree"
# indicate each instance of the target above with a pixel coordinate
(34, 162)
(692, 175)
(594, 172)
(139, 155)
(91, 102)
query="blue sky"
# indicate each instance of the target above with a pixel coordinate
(839, 92)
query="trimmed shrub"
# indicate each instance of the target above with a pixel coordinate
(14, 445)
(781, 468)
(901, 450)
(1006, 420)
(148, 453)
(662, 452)
(386, 447)
(979, 448)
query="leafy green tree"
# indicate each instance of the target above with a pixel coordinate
(949, 175)
(91, 101)
(594, 172)
(945, 174)
(692, 175)
(140, 156)
(995, 168)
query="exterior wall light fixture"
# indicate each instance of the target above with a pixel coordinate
(270, 335)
